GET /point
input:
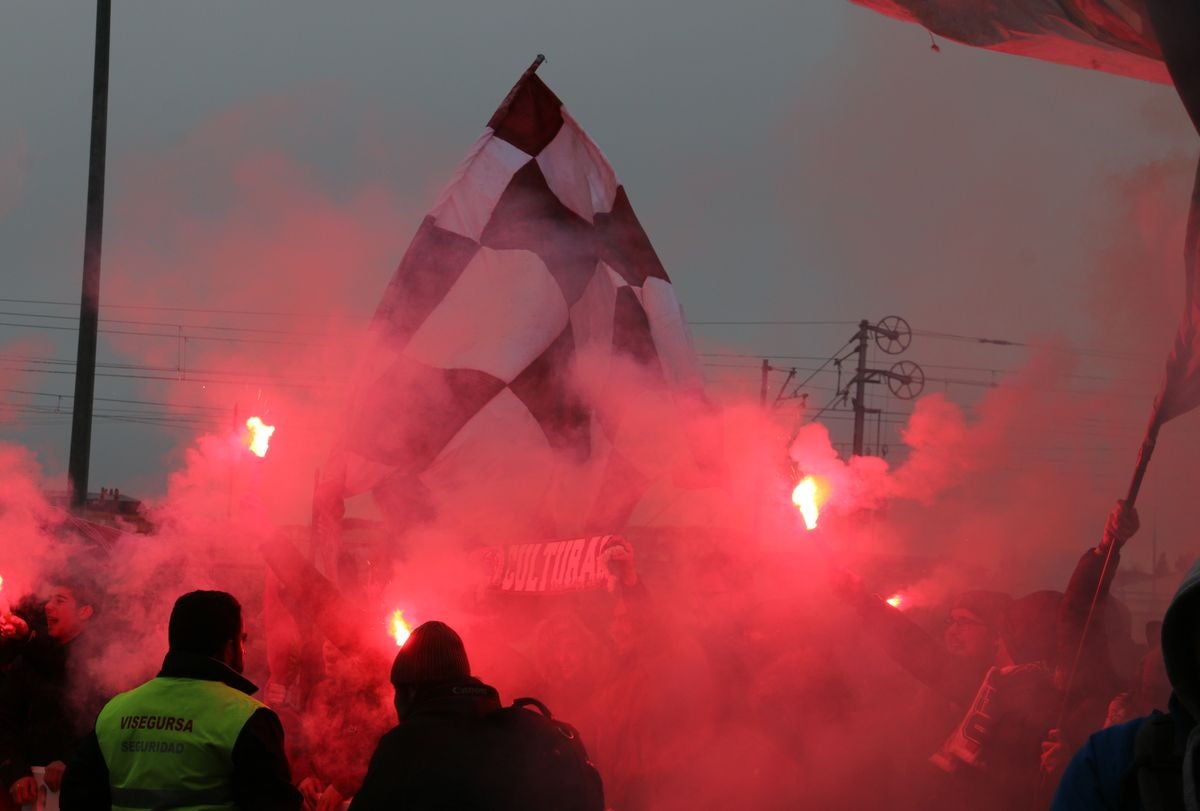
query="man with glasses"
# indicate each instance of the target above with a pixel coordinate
(192, 737)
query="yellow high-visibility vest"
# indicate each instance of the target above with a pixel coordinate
(169, 744)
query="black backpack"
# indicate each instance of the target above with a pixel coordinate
(541, 760)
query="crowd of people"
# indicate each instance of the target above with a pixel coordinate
(194, 736)
(1036, 702)
(1022, 683)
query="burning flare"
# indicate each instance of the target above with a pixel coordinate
(808, 496)
(260, 436)
(400, 629)
(896, 601)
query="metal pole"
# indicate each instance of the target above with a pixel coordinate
(1143, 460)
(89, 301)
(860, 388)
(1135, 485)
(762, 391)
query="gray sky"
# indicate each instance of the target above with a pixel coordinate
(790, 161)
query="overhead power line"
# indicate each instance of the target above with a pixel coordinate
(62, 396)
(174, 336)
(766, 323)
(170, 324)
(976, 339)
(171, 375)
(164, 308)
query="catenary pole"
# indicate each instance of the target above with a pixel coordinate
(89, 301)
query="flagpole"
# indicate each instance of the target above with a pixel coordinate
(1143, 460)
(1135, 485)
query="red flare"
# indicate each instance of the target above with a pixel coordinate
(259, 437)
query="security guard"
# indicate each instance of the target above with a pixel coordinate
(192, 738)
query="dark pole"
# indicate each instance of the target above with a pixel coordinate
(1143, 459)
(89, 302)
(762, 391)
(860, 388)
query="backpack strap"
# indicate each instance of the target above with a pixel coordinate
(528, 702)
(1154, 779)
(533, 705)
(546, 757)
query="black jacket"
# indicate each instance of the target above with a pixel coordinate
(261, 778)
(45, 697)
(457, 749)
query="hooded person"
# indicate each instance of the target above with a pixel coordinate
(456, 747)
(1152, 762)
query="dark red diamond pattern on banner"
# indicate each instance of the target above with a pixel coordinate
(624, 246)
(531, 118)
(529, 217)
(430, 267)
(547, 390)
(408, 414)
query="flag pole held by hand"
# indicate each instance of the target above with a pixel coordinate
(1143, 460)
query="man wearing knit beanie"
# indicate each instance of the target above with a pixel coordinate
(456, 747)
(977, 628)
(433, 652)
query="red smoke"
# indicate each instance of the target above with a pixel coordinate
(737, 655)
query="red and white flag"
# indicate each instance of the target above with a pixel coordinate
(1178, 27)
(1156, 40)
(1180, 391)
(1115, 36)
(531, 262)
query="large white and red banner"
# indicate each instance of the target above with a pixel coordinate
(531, 265)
